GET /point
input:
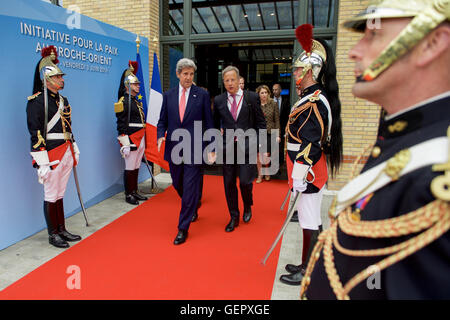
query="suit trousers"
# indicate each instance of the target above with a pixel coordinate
(247, 173)
(187, 180)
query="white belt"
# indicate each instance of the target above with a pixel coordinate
(59, 136)
(427, 153)
(137, 125)
(293, 146)
(57, 115)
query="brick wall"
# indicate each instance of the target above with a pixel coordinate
(360, 118)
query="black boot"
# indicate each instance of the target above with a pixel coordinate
(294, 279)
(135, 186)
(295, 216)
(314, 234)
(128, 183)
(62, 224)
(297, 272)
(292, 268)
(50, 214)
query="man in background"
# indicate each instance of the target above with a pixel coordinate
(284, 110)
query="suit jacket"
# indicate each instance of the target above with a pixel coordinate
(250, 115)
(284, 113)
(198, 108)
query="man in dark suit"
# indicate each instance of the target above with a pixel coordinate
(284, 109)
(184, 108)
(236, 109)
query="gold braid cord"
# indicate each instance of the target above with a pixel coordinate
(65, 119)
(428, 223)
(141, 111)
(297, 112)
(433, 220)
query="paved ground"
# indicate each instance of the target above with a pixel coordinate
(23, 257)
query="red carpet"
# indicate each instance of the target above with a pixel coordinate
(134, 256)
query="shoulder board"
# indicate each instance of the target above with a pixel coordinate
(315, 96)
(118, 106)
(34, 96)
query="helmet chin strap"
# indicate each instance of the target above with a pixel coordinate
(50, 80)
(304, 72)
(419, 27)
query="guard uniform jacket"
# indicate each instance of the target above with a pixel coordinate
(135, 127)
(424, 273)
(55, 143)
(306, 132)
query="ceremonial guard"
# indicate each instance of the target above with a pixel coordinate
(131, 130)
(313, 136)
(389, 234)
(53, 149)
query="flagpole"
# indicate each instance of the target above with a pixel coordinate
(138, 44)
(150, 168)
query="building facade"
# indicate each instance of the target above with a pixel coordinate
(255, 35)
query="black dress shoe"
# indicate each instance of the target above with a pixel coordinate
(294, 217)
(57, 241)
(234, 222)
(292, 268)
(247, 215)
(292, 279)
(68, 236)
(138, 196)
(129, 198)
(181, 237)
(195, 216)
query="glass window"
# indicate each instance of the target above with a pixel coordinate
(173, 17)
(212, 16)
(171, 55)
(321, 13)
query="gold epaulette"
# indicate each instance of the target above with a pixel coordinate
(118, 106)
(315, 96)
(34, 96)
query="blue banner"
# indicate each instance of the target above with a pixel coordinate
(93, 55)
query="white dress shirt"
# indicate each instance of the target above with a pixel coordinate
(239, 98)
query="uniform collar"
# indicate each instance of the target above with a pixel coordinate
(53, 95)
(311, 89)
(421, 115)
(125, 95)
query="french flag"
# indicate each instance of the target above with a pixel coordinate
(154, 109)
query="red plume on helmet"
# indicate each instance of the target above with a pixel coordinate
(304, 34)
(45, 52)
(133, 64)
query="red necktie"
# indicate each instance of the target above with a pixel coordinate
(234, 107)
(182, 104)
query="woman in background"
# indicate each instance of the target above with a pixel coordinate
(272, 115)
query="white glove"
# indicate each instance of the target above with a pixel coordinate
(42, 173)
(125, 151)
(299, 185)
(76, 151)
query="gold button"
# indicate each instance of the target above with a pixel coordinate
(376, 152)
